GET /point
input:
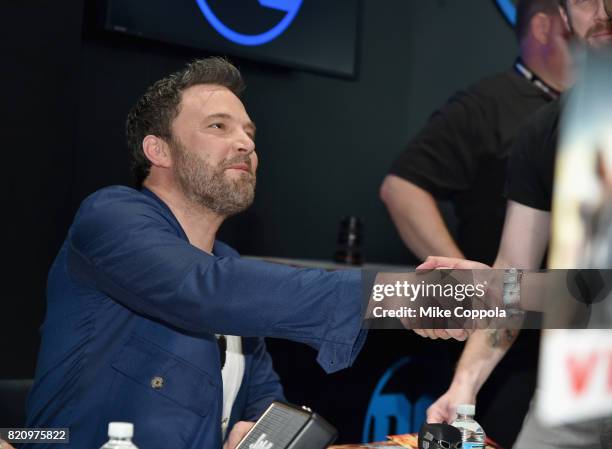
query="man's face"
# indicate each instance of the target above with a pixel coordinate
(558, 52)
(589, 22)
(213, 150)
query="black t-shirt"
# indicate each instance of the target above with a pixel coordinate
(532, 160)
(461, 154)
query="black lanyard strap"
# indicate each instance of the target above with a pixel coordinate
(522, 69)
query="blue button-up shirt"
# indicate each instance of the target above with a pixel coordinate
(132, 313)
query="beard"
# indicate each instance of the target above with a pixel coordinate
(208, 186)
(600, 27)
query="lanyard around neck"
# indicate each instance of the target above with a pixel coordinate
(535, 80)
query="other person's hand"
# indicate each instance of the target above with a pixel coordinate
(470, 272)
(240, 429)
(5, 445)
(453, 263)
(445, 334)
(445, 408)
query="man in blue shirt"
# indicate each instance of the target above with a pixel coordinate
(150, 319)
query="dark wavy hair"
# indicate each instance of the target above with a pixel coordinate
(155, 111)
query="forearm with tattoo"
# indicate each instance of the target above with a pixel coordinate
(501, 338)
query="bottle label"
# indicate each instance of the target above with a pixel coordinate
(470, 445)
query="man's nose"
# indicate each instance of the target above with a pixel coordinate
(244, 143)
(604, 8)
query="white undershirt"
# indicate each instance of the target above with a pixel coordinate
(232, 374)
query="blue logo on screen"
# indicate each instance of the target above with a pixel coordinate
(395, 412)
(290, 7)
(508, 9)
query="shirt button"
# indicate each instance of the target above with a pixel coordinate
(157, 383)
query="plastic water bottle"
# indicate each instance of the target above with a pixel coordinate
(120, 436)
(472, 435)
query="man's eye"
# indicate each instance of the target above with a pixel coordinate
(217, 125)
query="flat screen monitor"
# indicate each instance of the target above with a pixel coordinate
(316, 35)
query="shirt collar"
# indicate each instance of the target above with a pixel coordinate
(535, 80)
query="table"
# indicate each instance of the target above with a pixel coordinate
(331, 265)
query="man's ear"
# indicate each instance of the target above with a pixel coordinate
(565, 19)
(157, 151)
(541, 25)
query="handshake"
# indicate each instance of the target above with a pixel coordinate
(470, 375)
(452, 298)
(449, 273)
(439, 262)
(445, 298)
(575, 298)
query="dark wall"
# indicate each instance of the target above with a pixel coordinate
(40, 44)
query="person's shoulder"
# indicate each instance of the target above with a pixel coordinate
(498, 85)
(114, 193)
(116, 205)
(487, 92)
(490, 81)
(222, 249)
(476, 97)
(116, 198)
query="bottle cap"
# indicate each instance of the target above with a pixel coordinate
(466, 409)
(120, 430)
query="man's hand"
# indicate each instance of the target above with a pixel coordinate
(440, 262)
(444, 334)
(445, 408)
(240, 429)
(453, 263)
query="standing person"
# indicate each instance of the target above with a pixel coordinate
(461, 154)
(462, 151)
(525, 237)
(153, 321)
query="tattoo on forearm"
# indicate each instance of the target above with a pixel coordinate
(501, 338)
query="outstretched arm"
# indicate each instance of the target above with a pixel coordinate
(524, 241)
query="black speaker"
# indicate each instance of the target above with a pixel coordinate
(439, 436)
(284, 426)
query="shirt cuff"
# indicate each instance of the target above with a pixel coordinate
(344, 337)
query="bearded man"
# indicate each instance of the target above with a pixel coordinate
(153, 321)
(523, 245)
